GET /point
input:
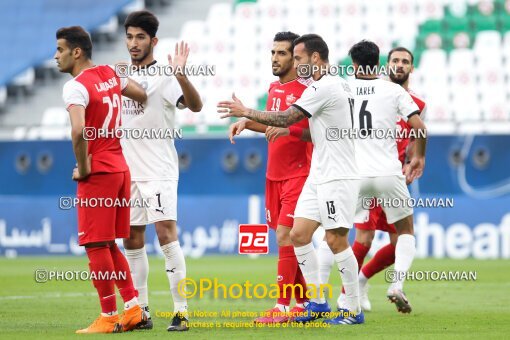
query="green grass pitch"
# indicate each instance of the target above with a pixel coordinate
(443, 309)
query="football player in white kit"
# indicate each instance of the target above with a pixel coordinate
(153, 162)
(378, 104)
(331, 190)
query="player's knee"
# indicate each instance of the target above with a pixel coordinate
(166, 231)
(136, 239)
(298, 238)
(337, 240)
(365, 237)
(367, 244)
(283, 236)
(405, 226)
(93, 245)
(393, 239)
(165, 239)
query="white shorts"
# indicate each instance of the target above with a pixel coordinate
(386, 188)
(162, 201)
(332, 204)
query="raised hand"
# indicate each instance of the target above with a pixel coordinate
(234, 108)
(180, 58)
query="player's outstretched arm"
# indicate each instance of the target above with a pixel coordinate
(417, 163)
(134, 91)
(236, 108)
(191, 98)
(80, 145)
(255, 126)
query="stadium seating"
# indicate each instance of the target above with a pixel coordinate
(461, 47)
(31, 39)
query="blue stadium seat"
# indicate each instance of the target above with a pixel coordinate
(24, 17)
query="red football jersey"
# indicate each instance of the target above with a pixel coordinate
(288, 157)
(402, 143)
(98, 89)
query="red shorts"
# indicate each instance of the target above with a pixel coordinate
(377, 221)
(98, 219)
(281, 199)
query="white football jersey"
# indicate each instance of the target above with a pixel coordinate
(327, 103)
(152, 159)
(377, 106)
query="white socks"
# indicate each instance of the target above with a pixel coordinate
(109, 314)
(404, 256)
(348, 268)
(176, 271)
(282, 308)
(309, 265)
(326, 260)
(139, 266)
(362, 278)
(131, 303)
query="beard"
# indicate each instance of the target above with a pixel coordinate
(399, 80)
(281, 71)
(142, 56)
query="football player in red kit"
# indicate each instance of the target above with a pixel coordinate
(288, 165)
(93, 99)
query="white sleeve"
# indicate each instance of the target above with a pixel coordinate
(74, 93)
(312, 100)
(406, 106)
(123, 83)
(172, 92)
(123, 80)
(423, 112)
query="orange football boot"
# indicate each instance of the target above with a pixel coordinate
(103, 324)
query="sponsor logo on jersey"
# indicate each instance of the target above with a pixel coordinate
(290, 99)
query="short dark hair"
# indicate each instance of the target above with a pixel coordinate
(314, 43)
(76, 36)
(144, 20)
(287, 36)
(365, 53)
(401, 49)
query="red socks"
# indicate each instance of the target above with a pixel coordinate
(108, 261)
(360, 251)
(100, 261)
(287, 268)
(384, 258)
(124, 281)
